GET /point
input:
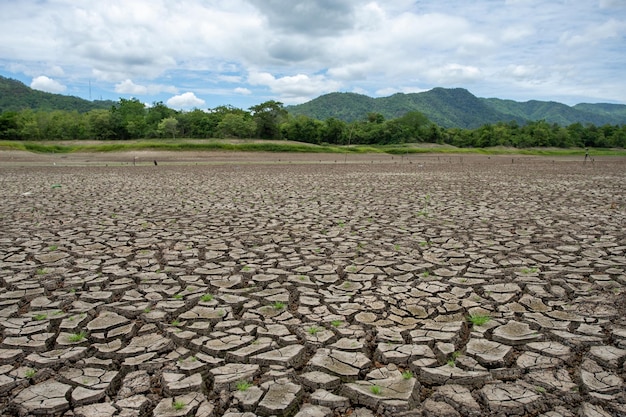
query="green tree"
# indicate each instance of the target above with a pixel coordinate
(101, 124)
(9, 127)
(168, 126)
(268, 117)
(302, 128)
(236, 125)
(153, 117)
(129, 119)
(333, 131)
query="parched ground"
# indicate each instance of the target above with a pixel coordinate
(311, 285)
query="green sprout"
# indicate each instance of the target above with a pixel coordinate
(207, 297)
(40, 316)
(336, 323)
(407, 375)
(178, 405)
(313, 330)
(278, 305)
(42, 271)
(53, 247)
(175, 323)
(451, 363)
(77, 337)
(479, 319)
(30, 373)
(243, 385)
(376, 389)
(529, 270)
(178, 296)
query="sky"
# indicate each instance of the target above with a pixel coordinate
(206, 53)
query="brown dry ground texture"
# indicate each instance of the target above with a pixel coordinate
(332, 285)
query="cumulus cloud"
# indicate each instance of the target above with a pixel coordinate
(129, 87)
(295, 88)
(242, 90)
(49, 85)
(185, 101)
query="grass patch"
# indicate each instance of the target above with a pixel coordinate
(407, 375)
(376, 389)
(30, 373)
(253, 145)
(336, 323)
(243, 386)
(479, 319)
(77, 337)
(53, 247)
(40, 316)
(178, 405)
(207, 297)
(278, 305)
(313, 330)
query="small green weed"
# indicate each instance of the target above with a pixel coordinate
(278, 305)
(40, 316)
(407, 374)
(451, 363)
(207, 297)
(178, 296)
(243, 385)
(53, 247)
(336, 323)
(178, 405)
(313, 330)
(479, 319)
(77, 337)
(529, 270)
(30, 373)
(175, 323)
(42, 271)
(376, 389)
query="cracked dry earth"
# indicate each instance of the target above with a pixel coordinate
(438, 289)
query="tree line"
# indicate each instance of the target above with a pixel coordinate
(131, 119)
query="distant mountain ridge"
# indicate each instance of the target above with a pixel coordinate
(457, 107)
(16, 96)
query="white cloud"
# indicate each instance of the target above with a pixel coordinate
(393, 90)
(185, 101)
(242, 90)
(49, 85)
(455, 74)
(129, 87)
(294, 88)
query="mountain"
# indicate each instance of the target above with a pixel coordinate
(16, 96)
(458, 107)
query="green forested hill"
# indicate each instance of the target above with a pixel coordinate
(458, 108)
(16, 96)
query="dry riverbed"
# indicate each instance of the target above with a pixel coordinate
(311, 285)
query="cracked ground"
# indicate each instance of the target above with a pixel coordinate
(303, 285)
